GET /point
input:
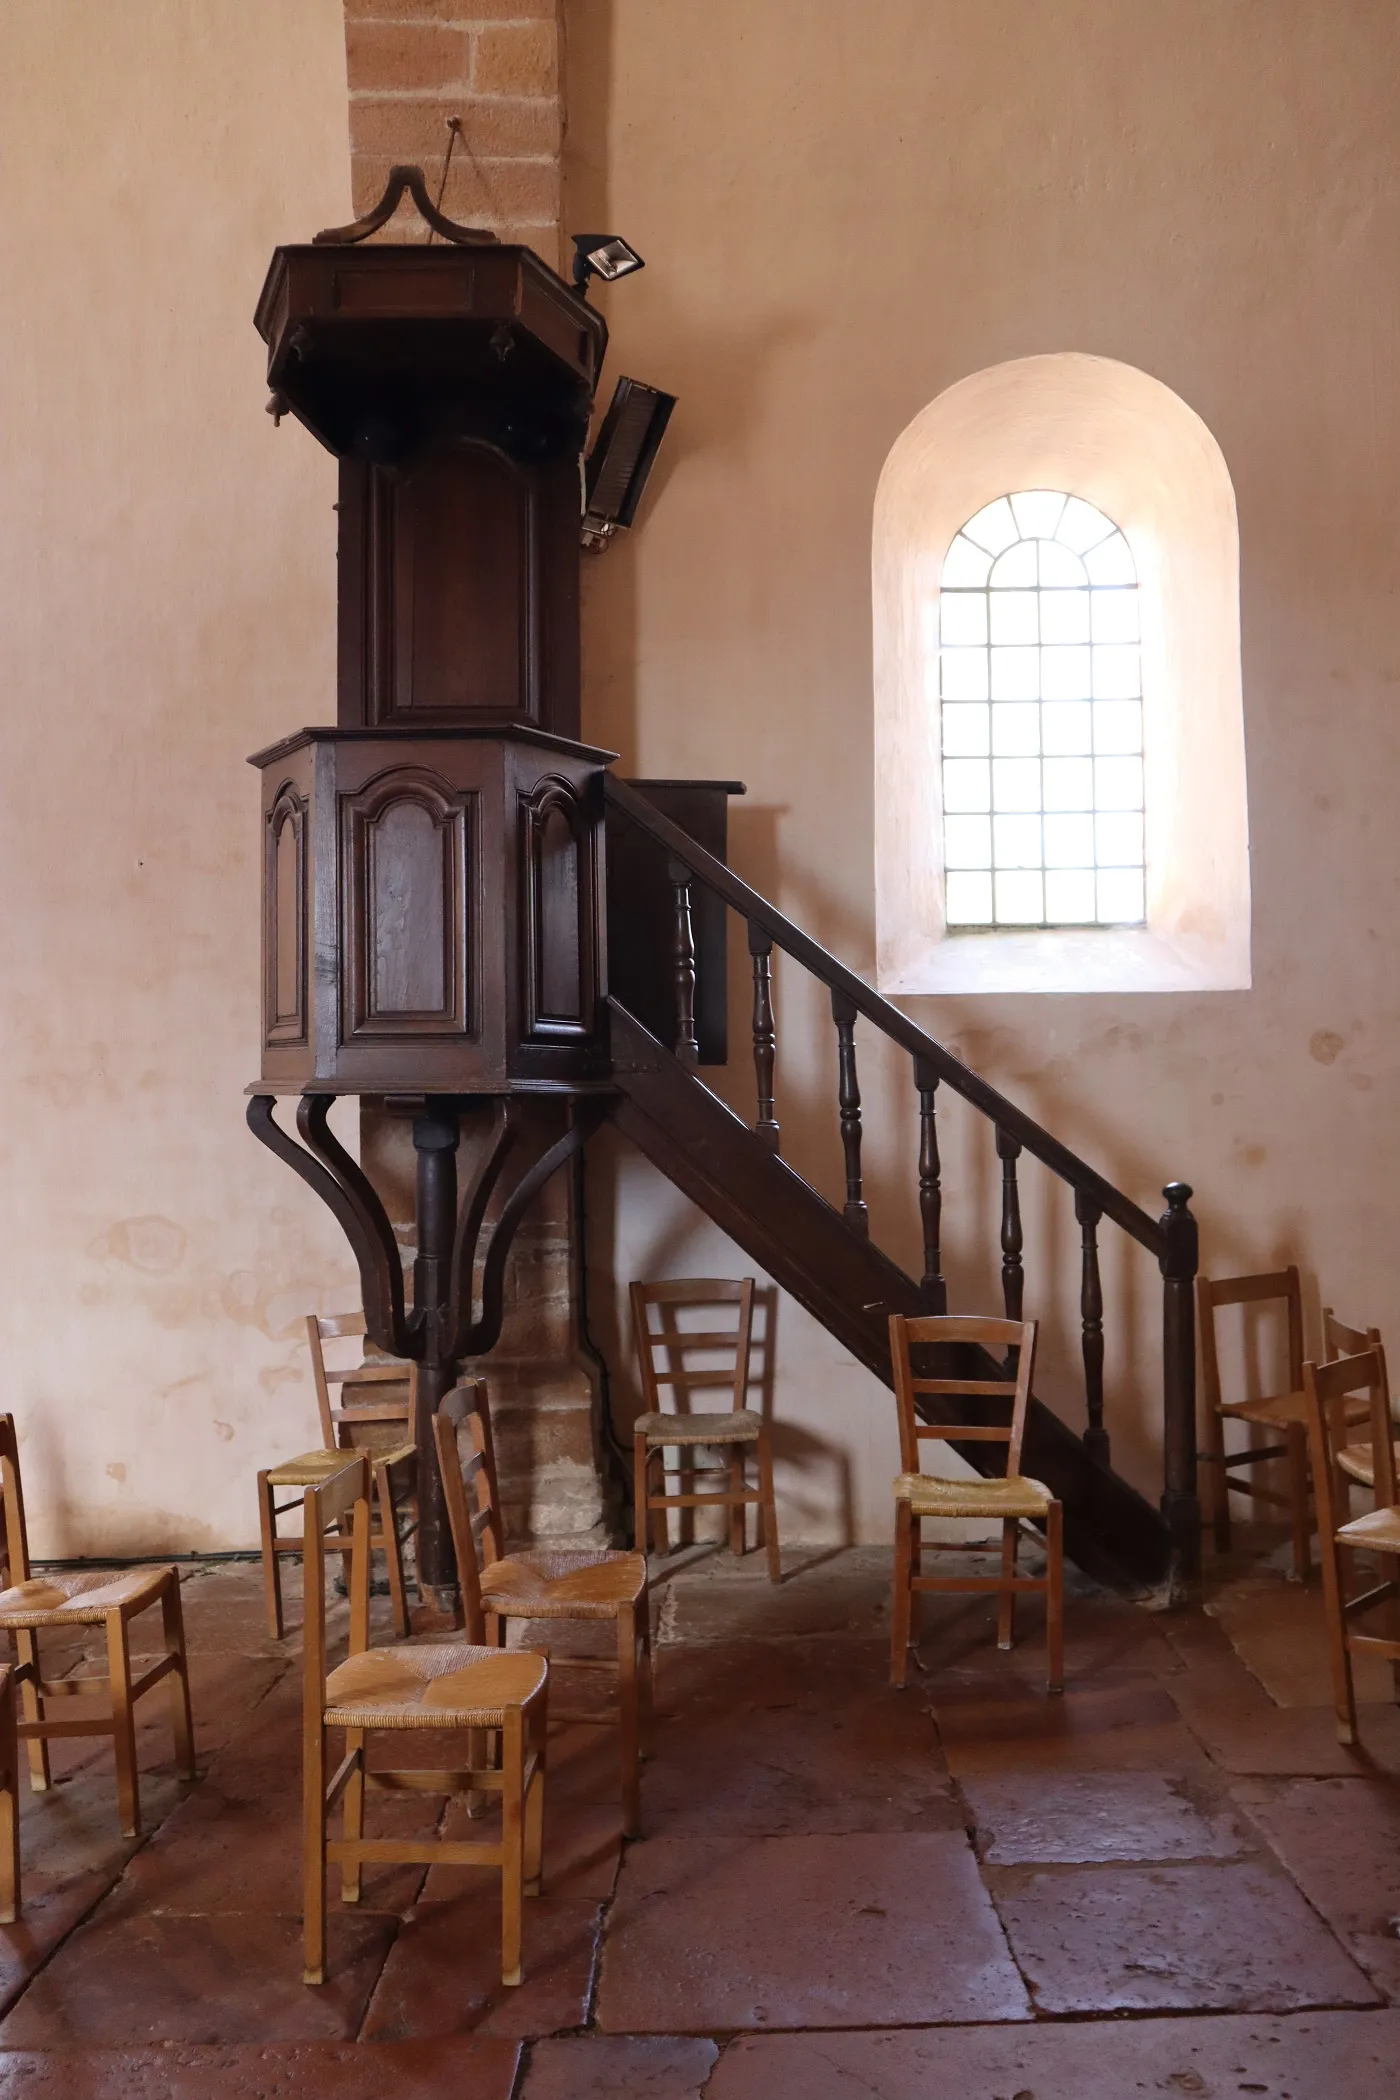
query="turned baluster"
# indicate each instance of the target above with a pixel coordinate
(1091, 1317)
(933, 1291)
(843, 1013)
(1012, 1278)
(1180, 1504)
(765, 1039)
(687, 1043)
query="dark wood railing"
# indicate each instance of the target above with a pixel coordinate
(1170, 1239)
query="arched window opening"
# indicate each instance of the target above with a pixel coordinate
(1040, 684)
(1060, 794)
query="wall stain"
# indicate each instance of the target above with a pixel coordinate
(1250, 1155)
(154, 1245)
(1326, 1046)
(116, 1471)
(1361, 1081)
(224, 1431)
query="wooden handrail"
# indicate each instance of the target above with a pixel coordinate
(1008, 1118)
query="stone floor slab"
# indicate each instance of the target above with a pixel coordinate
(870, 1765)
(1123, 1722)
(1311, 2056)
(1229, 1937)
(1340, 1841)
(1066, 1818)
(845, 1593)
(618, 2067)
(467, 2070)
(444, 1975)
(871, 1929)
(131, 1976)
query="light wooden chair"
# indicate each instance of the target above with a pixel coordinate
(1009, 1500)
(381, 1427)
(576, 1583)
(657, 1430)
(432, 1683)
(1284, 1412)
(1355, 1463)
(9, 1800)
(110, 1598)
(1329, 1391)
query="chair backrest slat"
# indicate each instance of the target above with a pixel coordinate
(1327, 1388)
(343, 1493)
(1284, 1285)
(999, 1337)
(470, 1492)
(331, 1327)
(1340, 1340)
(676, 1342)
(16, 1528)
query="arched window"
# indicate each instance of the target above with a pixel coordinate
(1040, 683)
(1060, 795)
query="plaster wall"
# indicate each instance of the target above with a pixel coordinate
(167, 577)
(845, 211)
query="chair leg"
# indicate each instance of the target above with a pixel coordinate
(181, 1717)
(1055, 1595)
(1218, 1495)
(1298, 1499)
(1006, 1607)
(629, 1743)
(647, 1686)
(123, 1724)
(1343, 1691)
(902, 1595)
(32, 1707)
(271, 1559)
(354, 1818)
(512, 1846)
(533, 1864)
(9, 1806)
(393, 1557)
(738, 1511)
(313, 1856)
(768, 1505)
(640, 1514)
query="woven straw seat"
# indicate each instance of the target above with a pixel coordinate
(928, 1496)
(81, 1598)
(438, 1684)
(1274, 1411)
(1377, 1532)
(564, 1585)
(744, 1427)
(1357, 1461)
(307, 1469)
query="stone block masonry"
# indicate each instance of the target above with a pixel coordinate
(495, 64)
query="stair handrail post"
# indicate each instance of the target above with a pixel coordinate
(1013, 1281)
(854, 1211)
(765, 1035)
(1091, 1326)
(932, 1287)
(1181, 1508)
(683, 960)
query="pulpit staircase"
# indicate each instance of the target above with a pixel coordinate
(824, 1257)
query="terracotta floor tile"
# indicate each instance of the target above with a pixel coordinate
(1081, 1817)
(617, 2067)
(1311, 2056)
(1117, 1721)
(141, 1976)
(1232, 1937)
(1292, 1741)
(1340, 1840)
(711, 1937)
(444, 1975)
(820, 1673)
(474, 2069)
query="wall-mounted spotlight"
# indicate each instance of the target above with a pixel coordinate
(621, 460)
(604, 255)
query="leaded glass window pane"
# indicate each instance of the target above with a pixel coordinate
(1043, 787)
